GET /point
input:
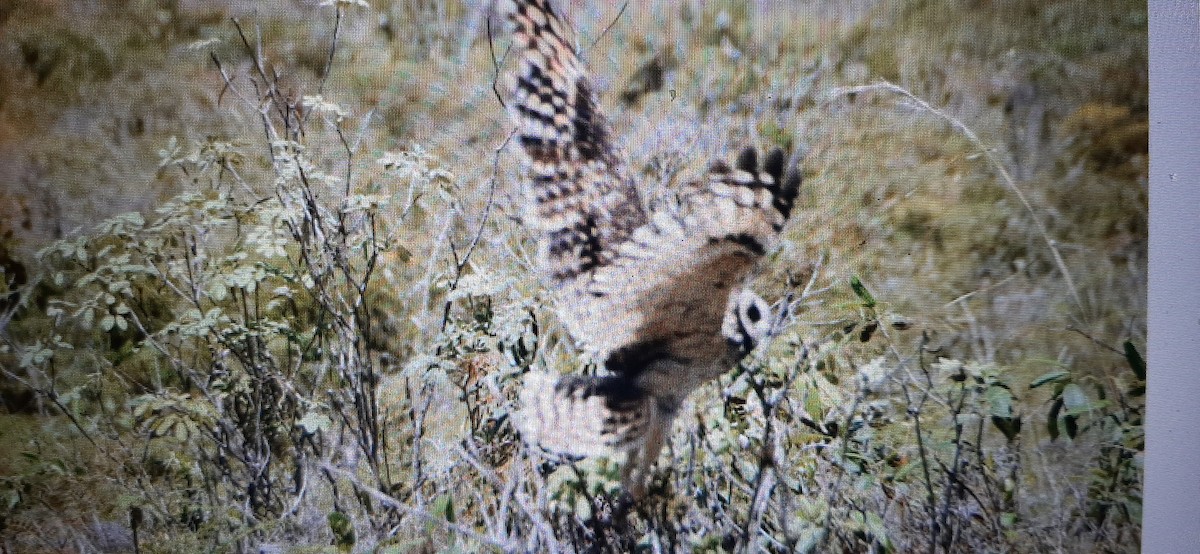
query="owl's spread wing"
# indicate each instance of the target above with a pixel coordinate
(584, 200)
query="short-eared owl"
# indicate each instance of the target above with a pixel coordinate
(659, 297)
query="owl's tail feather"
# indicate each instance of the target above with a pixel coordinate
(580, 415)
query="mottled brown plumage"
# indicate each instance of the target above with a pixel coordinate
(659, 297)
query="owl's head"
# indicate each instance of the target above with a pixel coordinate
(748, 321)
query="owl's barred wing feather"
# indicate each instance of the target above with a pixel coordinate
(582, 415)
(584, 199)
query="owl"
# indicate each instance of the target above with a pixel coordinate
(658, 297)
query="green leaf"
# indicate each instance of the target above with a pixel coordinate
(1136, 362)
(444, 506)
(1000, 405)
(814, 407)
(1072, 425)
(217, 291)
(314, 421)
(861, 292)
(1009, 426)
(1052, 418)
(1074, 398)
(904, 470)
(1052, 377)
(401, 253)
(868, 330)
(343, 531)
(181, 430)
(999, 400)
(9, 498)
(874, 525)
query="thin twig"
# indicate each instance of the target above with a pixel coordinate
(496, 64)
(337, 27)
(914, 410)
(953, 482)
(487, 208)
(1098, 342)
(461, 263)
(610, 25)
(980, 290)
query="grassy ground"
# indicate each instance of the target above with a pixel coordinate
(981, 167)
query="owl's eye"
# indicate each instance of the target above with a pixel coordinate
(753, 313)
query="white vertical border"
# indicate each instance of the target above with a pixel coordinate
(1171, 519)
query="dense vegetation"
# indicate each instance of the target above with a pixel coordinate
(311, 330)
